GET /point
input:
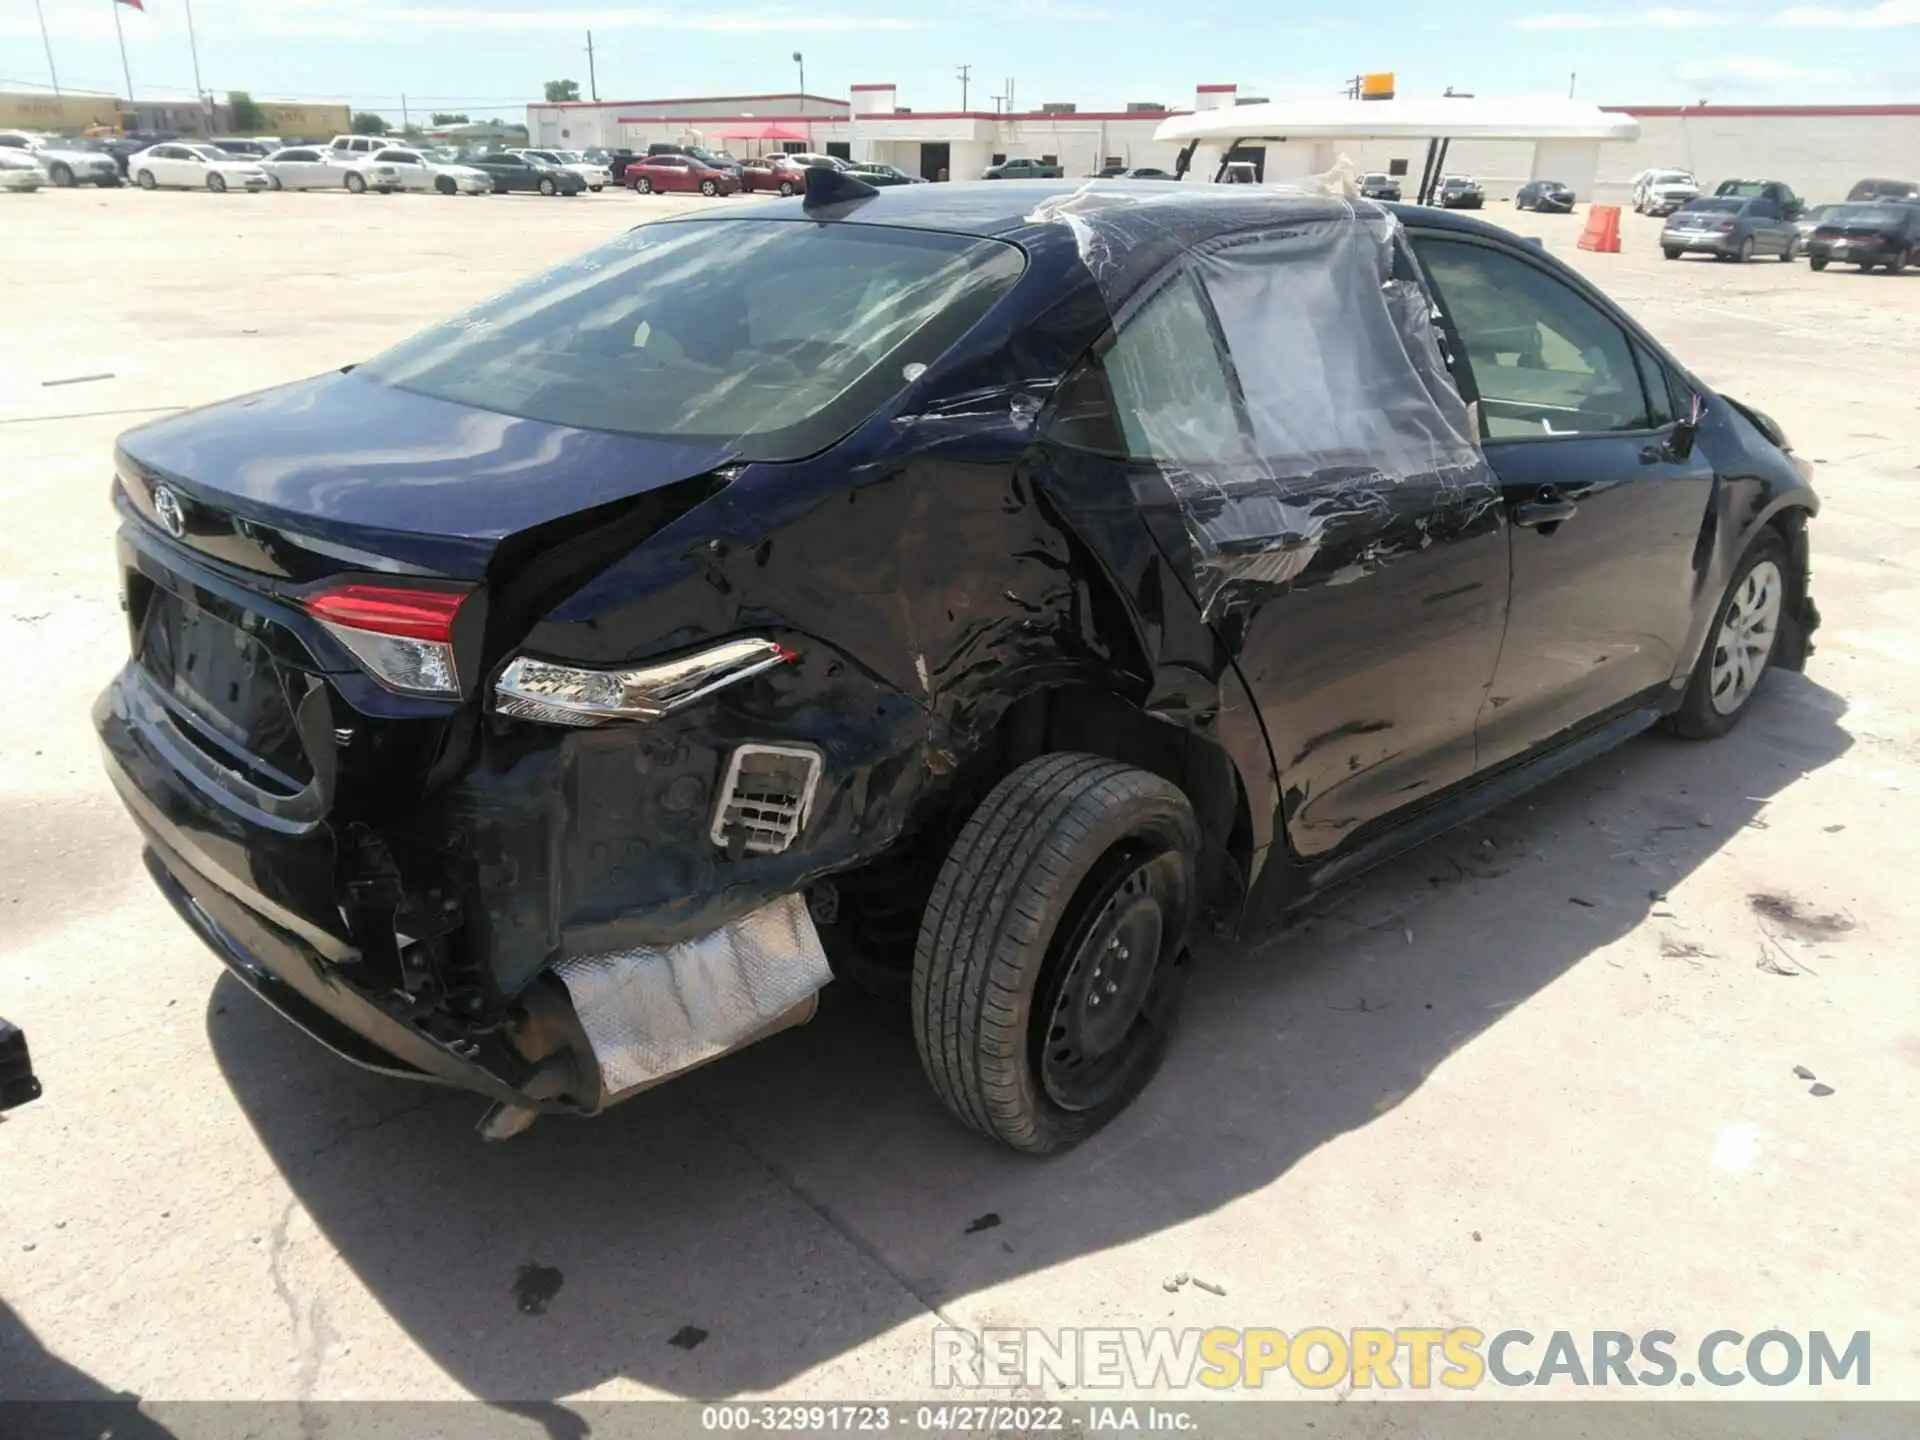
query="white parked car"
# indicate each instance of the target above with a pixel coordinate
(361, 147)
(306, 167)
(174, 165)
(1661, 192)
(401, 169)
(597, 177)
(63, 164)
(20, 171)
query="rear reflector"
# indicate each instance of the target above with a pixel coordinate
(401, 637)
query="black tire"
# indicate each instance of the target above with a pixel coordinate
(786, 187)
(217, 184)
(60, 173)
(1067, 854)
(146, 181)
(643, 186)
(356, 184)
(1899, 262)
(443, 185)
(273, 181)
(1697, 719)
(1745, 252)
(709, 189)
(1792, 252)
(1816, 262)
(594, 188)
(1669, 252)
(547, 187)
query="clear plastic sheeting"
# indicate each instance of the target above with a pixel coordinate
(1276, 356)
(653, 1011)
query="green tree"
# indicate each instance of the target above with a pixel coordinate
(365, 122)
(245, 116)
(441, 117)
(563, 89)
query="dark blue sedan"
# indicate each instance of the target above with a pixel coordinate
(968, 590)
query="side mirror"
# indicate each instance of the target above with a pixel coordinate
(1686, 430)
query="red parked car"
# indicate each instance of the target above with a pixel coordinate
(679, 172)
(777, 173)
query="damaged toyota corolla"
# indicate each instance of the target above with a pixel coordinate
(965, 590)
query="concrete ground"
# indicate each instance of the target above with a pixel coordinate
(1540, 1074)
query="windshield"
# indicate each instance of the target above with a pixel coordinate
(1672, 177)
(672, 331)
(568, 157)
(1864, 215)
(1750, 189)
(1717, 207)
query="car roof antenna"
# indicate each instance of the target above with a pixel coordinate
(834, 187)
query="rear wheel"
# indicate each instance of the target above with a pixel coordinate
(273, 181)
(443, 185)
(594, 188)
(643, 185)
(1899, 261)
(146, 181)
(1792, 252)
(1745, 252)
(356, 184)
(1741, 645)
(1816, 262)
(1670, 252)
(59, 173)
(1052, 955)
(217, 184)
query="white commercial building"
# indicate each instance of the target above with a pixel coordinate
(1820, 150)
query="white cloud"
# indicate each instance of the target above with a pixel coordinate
(1887, 15)
(1656, 19)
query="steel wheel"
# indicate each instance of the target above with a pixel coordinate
(1746, 639)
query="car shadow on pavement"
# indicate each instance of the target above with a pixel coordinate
(767, 1215)
(42, 1395)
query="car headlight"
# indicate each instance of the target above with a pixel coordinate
(559, 694)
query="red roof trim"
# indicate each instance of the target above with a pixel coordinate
(1215, 89)
(831, 120)
(1068, 118)
(1785, 112)
(888, 86)
(685, 100)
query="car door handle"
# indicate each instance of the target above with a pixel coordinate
(1546, 508)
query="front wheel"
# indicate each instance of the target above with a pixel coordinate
(594, 188)
(1816, 262)
(547, 187)
(1792, 252)
(356, 184)
(1745, 252)
(709, 189)
(217, 184)
(1669, 252)
(1052, 956)
(786, 187)
(1740, 646)
(1899, 262)
(62, 175)
(443, 185)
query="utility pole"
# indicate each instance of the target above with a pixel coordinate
(963, 72)
(126, 71)
(46, 40)
(193, 48)
(1572, 76)
(406, 122)
(593, 85)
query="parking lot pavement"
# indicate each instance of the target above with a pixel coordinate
(1540, 1074)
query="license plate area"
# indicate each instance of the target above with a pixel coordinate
(229, 694)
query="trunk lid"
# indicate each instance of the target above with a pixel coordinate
(340, 473)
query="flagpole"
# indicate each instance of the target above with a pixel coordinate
(199, 91)
(125, 72)
(47, 41)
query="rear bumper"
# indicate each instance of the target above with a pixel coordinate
(1710, 243)
(1852, 252)
(253, 886)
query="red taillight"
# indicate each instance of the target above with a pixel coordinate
(402, 637)
(1724, 225)
(388, 610)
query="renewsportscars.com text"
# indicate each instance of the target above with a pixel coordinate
(1404, 1357)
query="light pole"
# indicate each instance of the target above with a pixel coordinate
(801, 61)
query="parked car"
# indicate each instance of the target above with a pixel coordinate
(594, 175)
(1460, 192)
(1776, 192)
(670, 173)
(417, 170)
(1145, 172)
(18, 1085)
(1109, 172)
(615, 160)
(812, 160)
(120, 147)
(1378, 185)
(194, 167)
(362, 146)
(713, 160)
(1886, 233)
(1884, 190)
(516, 172)
(875, 172)
(307, 167)
(1547, 196)
(777, 174)
(676, 644)
(65, 162)
(1729, 227)
(1809, 221)
(1020, 168)
(20, 171)
(245, 149)
(1661, 192)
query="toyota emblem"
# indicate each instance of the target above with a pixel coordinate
(166, 505)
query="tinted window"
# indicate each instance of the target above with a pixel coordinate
(1864, 215)
(1659, 388)
(1545, 360)
(298, 155)
(1717, 207)
(1172, 383)
(672, 331)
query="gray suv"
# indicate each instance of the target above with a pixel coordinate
(1729, 227)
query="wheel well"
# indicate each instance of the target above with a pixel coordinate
(1796, 640)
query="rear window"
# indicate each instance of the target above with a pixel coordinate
(1864, 215)
(672, 331)
(1728, 206)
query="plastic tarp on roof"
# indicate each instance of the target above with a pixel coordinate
(1311, 407)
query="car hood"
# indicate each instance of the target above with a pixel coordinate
(358, 465)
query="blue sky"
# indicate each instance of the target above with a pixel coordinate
(491, 55)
